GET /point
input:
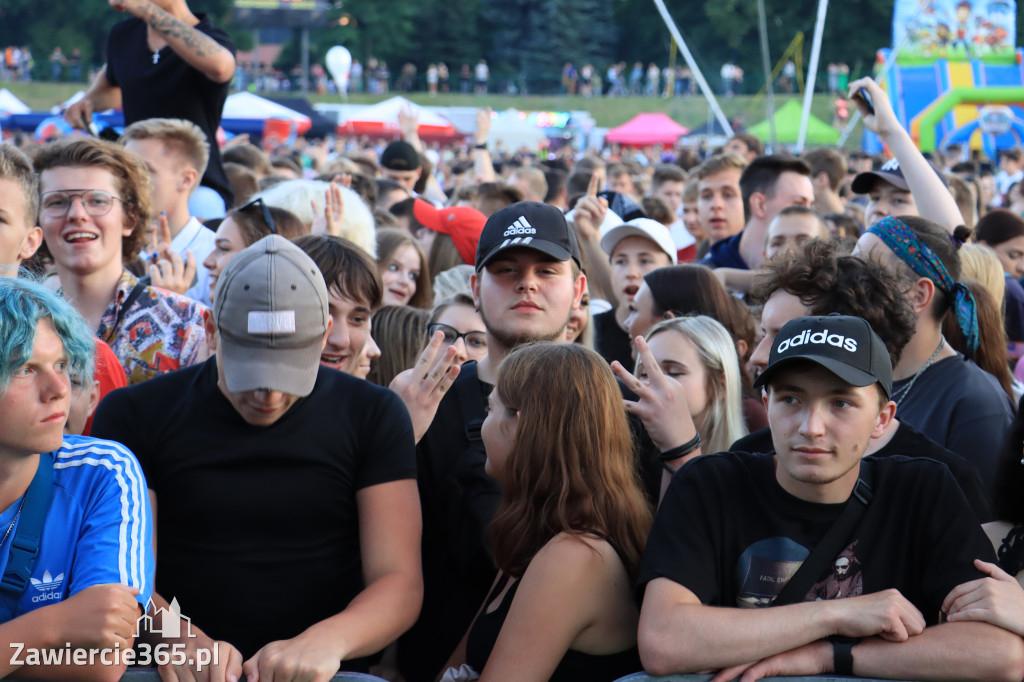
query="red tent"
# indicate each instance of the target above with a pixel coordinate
(645, 129)
(381, 120)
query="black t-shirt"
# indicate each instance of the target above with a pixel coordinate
(257, 527)
(909, 442)
(727, 531)
(459, 500)
(961, 407)
(169, 88)
(611, 341)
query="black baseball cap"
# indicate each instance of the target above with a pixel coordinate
(400, 156)
(845, 345)
(889, 172)
(528, 225)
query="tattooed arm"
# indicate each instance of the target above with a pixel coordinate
(178, 30)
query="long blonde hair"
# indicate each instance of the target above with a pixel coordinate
(723, 423)
(571, 468)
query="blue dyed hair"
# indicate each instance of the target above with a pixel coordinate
(22, 304)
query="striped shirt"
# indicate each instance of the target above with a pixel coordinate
(98, 529)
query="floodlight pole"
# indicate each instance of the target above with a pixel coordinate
(773, 139)
(812, 74)
(704, 88)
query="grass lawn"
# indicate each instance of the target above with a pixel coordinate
(691, 111)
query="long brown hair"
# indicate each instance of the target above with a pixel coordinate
(571, 468)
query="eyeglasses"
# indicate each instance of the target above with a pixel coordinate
(474, 340)
(267, 218)
(96, 202)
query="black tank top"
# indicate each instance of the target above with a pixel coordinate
(574, 666)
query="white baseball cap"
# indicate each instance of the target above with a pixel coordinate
(641, 227)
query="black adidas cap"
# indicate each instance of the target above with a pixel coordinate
(889, 172)
(400, 156)
(528, 225)
(845, 345)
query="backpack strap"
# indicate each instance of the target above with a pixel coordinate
(832, 544)
(25, 545)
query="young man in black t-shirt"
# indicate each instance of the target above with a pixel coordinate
(818, 281)
(289, 521)
(734, 529)
(526, 284)
(165, 62)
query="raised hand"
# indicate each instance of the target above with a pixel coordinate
(329, 222)
(590, 211)
(422, 387)
(166, 269)
(883, 120)
(662, 406)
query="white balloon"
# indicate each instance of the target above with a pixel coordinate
(339, 63)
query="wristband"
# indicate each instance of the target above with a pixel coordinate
(681, 450)
(842, 655)
(482, 146)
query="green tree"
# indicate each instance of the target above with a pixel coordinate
(531, 39)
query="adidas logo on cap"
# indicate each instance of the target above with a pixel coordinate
(891, 165)
(818, 338)
(520, 226)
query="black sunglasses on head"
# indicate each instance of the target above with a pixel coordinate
(267, 218)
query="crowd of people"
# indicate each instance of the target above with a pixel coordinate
(449, 414)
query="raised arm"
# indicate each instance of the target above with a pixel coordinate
(100, 97)
(389, 539)
(198, 49)
(932, 197)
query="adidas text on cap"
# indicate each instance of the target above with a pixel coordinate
(528, 225)
(845, 345)
(271, 312)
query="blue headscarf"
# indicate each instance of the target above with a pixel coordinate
(905, 243)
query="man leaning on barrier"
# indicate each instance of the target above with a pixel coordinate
(75, 529)
(852, 558)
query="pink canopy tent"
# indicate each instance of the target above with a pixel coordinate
(645, 129)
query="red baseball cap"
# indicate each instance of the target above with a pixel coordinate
(462, 223)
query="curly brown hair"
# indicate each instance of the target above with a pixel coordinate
(827, 282)
(130, 176)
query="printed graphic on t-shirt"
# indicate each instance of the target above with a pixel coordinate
(846, 579)
(764, 568)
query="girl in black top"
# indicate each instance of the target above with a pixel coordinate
(571, 527)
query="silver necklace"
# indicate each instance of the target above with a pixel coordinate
(903, 392)
(16, 517)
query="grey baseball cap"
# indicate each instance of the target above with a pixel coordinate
(271, 310)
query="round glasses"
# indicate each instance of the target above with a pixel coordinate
(475, 340)
(96, 202)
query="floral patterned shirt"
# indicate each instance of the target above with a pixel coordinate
(159, 332)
